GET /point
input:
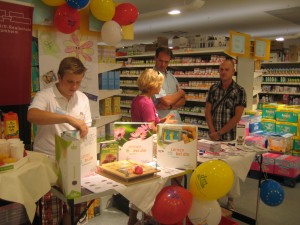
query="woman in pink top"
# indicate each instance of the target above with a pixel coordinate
(143, 110)
(142, 106)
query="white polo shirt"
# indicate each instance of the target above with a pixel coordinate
(50, 99)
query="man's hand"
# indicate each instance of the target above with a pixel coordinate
(215, 136)
(79, 125)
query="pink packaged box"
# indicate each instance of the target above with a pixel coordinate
(287, 165)
(268, 163)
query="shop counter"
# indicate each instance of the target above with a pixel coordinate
(27, 184)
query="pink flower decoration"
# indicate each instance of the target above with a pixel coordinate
(82, 48)
(139, 133)
(119, 133)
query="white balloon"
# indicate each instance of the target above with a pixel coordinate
(205, 212)
(111, 33)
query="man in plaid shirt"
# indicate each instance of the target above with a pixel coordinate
(225, 105)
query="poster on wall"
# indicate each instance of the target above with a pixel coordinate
(15, 57)
(54, 46)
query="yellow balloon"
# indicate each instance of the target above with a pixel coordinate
(103, 10)
(54, 2)
(211, 180)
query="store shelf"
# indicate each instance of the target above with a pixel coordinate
(103, 120)
(281, 83)
(281, 75)
(206, 76)
(104, 67)
(129, 75)
(108, 93)
(125, 106)
(191, 113)
(128, 85)
(194, 88)
(280, 93)
(195, 100)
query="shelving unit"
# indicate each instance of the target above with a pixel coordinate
(102, 94)
(280, 83)
(196, 70)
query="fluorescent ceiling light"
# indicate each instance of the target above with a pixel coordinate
(174, 12)
(280, 39)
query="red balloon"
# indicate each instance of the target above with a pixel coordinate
(172, 205)
(66, 19)
(125, 14)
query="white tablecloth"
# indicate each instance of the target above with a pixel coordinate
(240, 164)
(27, 184)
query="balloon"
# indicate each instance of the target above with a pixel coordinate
(271, 193)
(126, 14)
(172, 205)
(66, 19)
(77, 4)
(111, 33)
(211, 180)
(205, 212)
(54, 2)
(103, 10)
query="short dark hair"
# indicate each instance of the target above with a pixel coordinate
(71, 64)
(164, 50)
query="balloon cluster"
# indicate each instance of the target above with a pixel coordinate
(210, 181)
(67, 17)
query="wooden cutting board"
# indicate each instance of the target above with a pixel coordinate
(123, 170)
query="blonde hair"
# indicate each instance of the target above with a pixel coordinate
(149, 79)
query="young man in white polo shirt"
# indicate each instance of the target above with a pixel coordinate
(61, 107)
(56, 109)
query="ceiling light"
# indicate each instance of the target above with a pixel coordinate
(174, 12)
(280, 39)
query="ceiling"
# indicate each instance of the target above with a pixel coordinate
(259, 18)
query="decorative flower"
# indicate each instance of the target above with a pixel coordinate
(139, 133)
(119, 133)
(82, 48)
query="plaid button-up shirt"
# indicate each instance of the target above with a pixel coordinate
(226, 109)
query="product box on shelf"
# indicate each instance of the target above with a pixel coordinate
(177, 146)
(117, 79)
(287, 165)
(115, 105)
(135, 140)
(268, 125)
(111, 80)
(103, 80)
(105, 107)
(294, 53)
(269, 110)
(286, 127)
(267, 164)
(287, 115)
(296, 143)
(108, 151)
(280, 142)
